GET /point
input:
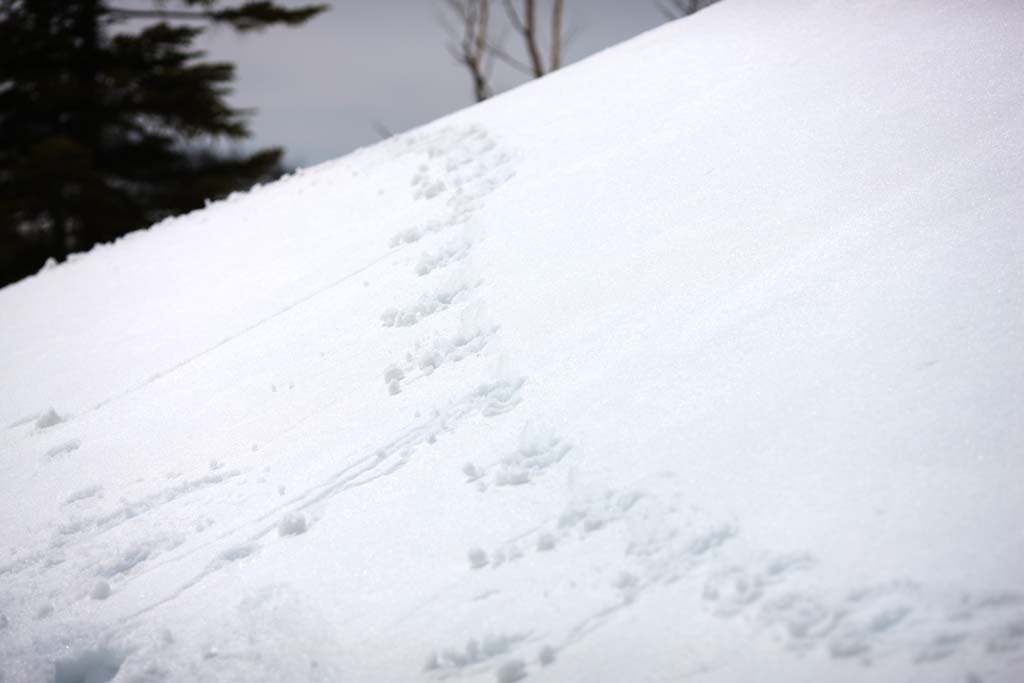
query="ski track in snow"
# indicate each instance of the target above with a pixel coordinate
(74, 541)
(652, 543)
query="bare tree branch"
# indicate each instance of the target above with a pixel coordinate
(513, 16)
(525, 24)
(509, 60)
(472, 48)
(571, 34)
(557, 14)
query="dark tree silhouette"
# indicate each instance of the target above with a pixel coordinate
(109, 120)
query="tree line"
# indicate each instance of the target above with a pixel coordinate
(110, 119)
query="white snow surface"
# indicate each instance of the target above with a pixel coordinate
(699, 359)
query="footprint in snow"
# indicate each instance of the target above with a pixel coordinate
(63, 448)
(49, 418)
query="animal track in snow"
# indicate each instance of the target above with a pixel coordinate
(63, 448)
(574, 583)
(473, 653)
(538, 449)
(646, 540)
(537, 452)
(233, 554)
(580, 520)
(427, 187)
(730, 590)
(802, 619)
(472, 338)
(487, 400)
(138, 553)
(901, 619)
(23, 421)
(451, 252)
(415, 234)
(428, 304)
(133, 509)
(95, 491)
(78, 527)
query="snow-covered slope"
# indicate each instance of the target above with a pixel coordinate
(701, 358)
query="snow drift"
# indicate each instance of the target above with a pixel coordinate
(699, 358)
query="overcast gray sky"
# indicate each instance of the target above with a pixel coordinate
(320, 89)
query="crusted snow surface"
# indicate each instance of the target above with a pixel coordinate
(700, 358)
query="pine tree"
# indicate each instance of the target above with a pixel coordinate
(109, 119)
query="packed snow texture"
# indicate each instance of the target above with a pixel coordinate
(701, 357)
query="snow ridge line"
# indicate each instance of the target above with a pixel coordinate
(241, 333)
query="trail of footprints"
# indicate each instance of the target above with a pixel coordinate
(109, 544)
(661, 542)
(461, 166)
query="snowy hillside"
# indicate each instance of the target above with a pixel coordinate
(699, 359)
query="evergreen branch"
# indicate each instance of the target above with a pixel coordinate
(251, 16)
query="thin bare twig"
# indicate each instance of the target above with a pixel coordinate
(557, 13)
(472, 49)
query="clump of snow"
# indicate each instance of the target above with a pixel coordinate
(101, 591)
(292, 524)
(393, 377)
(471, 471)
(235, 553)
(547, 655)
(477, 558)
(546, 541)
